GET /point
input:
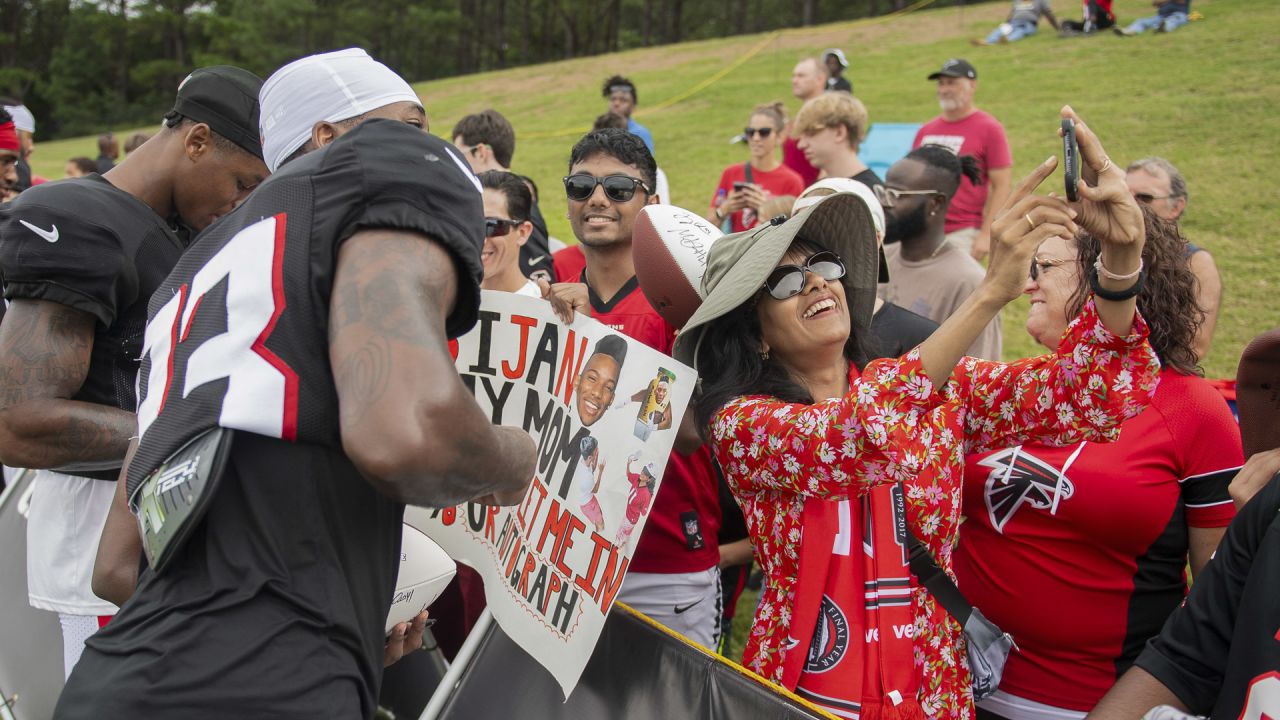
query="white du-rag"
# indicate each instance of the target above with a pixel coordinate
(329, 87)
(839, 185)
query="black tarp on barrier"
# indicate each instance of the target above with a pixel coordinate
(637, 672)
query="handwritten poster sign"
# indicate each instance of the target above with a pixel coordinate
(603, 410)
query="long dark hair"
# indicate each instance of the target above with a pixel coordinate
(730, 364)
(1168, 299)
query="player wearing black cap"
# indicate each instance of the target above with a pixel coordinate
(79, 259)
(303, 338)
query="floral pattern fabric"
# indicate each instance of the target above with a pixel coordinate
(894, 425)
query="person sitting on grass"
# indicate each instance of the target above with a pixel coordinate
(1170, 15)
(1023, 18)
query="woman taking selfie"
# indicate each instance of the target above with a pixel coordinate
(744, 187)
(1080, 551)
(810, 437)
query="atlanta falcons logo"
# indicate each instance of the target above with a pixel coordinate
(1016, 478)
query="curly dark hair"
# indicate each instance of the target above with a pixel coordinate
(620, 145)
(1168, 299)
(617, 81)
(730, 364)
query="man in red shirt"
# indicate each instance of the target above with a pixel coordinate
(966, 130)
(808, 81)
(674, 575)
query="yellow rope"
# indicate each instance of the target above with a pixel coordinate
(719, 75)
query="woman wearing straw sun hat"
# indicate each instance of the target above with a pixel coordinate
(811, 437)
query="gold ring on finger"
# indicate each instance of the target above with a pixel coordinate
(1030, 222)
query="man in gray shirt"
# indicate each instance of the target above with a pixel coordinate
(1022, 21)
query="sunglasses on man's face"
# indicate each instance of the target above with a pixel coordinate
(788, 280)
(498, 227)
(618, 188)
(889, 197)
(1148, 198)
(764, 132)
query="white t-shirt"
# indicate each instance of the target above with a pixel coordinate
(584, 483)
(531, 289)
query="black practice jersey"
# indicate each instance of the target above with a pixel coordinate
(1220, 652)
(275, 605)
(895, 330)
(89, 245)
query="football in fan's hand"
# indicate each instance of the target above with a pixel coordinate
(425, 570)
(669, 247)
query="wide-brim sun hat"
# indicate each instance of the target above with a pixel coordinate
(738, 264)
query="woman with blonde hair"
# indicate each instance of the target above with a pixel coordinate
(744, 187)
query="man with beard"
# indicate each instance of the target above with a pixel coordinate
(928, 275)
(966, 130)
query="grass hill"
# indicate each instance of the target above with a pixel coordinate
(1205, 97)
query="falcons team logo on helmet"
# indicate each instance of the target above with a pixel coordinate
(1016, 478)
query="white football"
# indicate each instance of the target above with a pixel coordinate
(425, 570)
(669, 248)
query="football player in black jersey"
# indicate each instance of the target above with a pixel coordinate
(310, 326)
(79, 260)
(299, 102)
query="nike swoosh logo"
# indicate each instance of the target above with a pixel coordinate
(50, 235)
(535, 260)
(681, 610)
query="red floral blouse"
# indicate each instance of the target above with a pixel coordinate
(892, 426)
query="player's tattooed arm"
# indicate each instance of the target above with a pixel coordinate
(408, 423)
(44, 358)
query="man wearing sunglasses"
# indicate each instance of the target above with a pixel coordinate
(927, 274)
(674, 576)
(1156, 183)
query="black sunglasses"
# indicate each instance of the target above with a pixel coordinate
(618, 188)
(763, 132)
(1148, 198)
(497, 227)
(788, 280)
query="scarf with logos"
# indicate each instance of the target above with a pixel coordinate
(851, 650)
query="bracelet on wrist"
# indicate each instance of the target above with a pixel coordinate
(1116, 295)
(1104, 272)
(719, 214)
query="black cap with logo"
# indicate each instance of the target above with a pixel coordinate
(226, 99)
(957, 68)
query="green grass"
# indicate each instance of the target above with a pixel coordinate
(1205, 97)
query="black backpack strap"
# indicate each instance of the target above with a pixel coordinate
(746, 170)
(938, 583)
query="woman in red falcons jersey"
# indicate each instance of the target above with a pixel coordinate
(1079, 551)
(810, 437)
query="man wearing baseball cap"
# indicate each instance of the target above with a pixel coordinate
(80, 259)
(966, 130)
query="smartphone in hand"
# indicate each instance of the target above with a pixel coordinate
(1070, 159)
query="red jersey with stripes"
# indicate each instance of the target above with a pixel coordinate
(1079, 552)
(680, 535)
